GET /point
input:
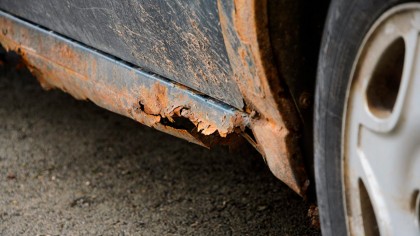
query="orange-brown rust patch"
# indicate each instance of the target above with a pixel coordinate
(276, 124)
(155, 102)
(243, 23)
(313, 214)
(169, 108)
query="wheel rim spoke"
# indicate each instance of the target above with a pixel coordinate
(380, 141)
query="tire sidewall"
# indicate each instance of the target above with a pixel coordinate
(346, 26)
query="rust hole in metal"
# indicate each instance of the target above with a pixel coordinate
(175, 121)
(179, 123)
(10, 58)
(141, 106)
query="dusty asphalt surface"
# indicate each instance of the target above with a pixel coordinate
(68, 167)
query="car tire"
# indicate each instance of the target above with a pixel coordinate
(346, 26)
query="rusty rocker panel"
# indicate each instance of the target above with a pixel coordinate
(269, 111)
(87, 74)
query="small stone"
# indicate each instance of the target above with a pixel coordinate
(262, 208)
(11, 176)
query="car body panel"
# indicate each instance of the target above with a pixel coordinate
(268, 119)
(179, 39)
(87, 74)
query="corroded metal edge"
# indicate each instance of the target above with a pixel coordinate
(87, 74)
(60, 63)
(275, 122)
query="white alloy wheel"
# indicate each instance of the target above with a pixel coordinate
(381, 128)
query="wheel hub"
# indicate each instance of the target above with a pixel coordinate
(381, 155)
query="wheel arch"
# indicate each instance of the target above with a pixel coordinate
(273, 50)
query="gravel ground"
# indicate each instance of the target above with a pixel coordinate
(68, 167)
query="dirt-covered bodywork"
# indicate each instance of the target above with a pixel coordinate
(204, 71)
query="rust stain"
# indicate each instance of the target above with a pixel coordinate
(313, 214)
(155, 102)
(57, 65)
(154, 99)
(275, 124)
